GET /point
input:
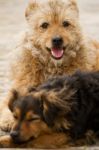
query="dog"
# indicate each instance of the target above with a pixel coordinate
(52, 45)
(64, 105)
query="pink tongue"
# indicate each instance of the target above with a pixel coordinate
(57, 53)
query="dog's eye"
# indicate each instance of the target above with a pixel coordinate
(66, 24)
(15, 117)
(45, 25)
(33, 119)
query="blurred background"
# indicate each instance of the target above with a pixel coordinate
(12, 22)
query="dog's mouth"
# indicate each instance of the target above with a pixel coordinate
(57, 53)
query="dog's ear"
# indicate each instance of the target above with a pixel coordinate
(13, 97)
(50, 108)
(73, 2)
(31, 7)
(74, 7)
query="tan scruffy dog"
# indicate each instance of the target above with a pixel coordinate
(53, 45)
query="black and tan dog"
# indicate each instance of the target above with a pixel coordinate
(67, 107)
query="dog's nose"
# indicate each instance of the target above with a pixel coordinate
(14, 134)
(57, 41)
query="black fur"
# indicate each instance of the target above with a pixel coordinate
(84, 114)
(84, 103)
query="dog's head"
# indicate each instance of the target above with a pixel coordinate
(54, 25)
(36, 114)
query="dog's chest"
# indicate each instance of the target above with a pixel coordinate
(51, 71)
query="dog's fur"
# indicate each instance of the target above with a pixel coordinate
(33, 63)
(64, 105)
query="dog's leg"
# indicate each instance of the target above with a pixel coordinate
(6, 142)
(6, 118)
(54, 140)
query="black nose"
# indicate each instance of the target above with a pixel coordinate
(14, 134)
(57, 41)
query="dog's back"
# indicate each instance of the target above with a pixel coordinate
(84, 114)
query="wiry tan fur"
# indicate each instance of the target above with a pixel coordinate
(32, 63)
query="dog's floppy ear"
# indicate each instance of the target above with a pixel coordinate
(13, 97)
(51, 108)
(31, 7)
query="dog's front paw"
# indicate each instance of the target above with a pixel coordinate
(6, 120)
(5, 142)
(5, 128)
